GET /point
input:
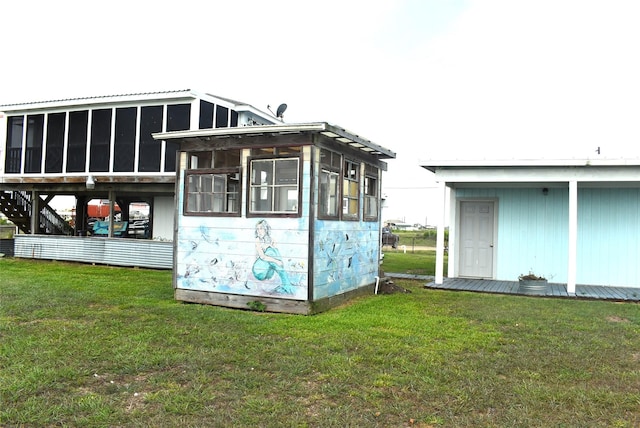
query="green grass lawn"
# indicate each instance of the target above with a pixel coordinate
(413, 239)
(84, 345)
(416, 263)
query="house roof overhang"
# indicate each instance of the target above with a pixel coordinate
(432, 165)
(178, 96)
(506, 172)
(334, 133)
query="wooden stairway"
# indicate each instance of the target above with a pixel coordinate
(16, 206)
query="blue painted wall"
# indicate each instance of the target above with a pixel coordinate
(533, 233)
(346, 256)
(221, 256)
(608, 231)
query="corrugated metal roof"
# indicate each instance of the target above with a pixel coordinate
(136, 97)
(229, 100)
(99, 97)
(337, 133)
(434, 164)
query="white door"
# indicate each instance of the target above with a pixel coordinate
(476, 239)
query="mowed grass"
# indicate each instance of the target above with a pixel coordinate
(97, 346)
(416, 263)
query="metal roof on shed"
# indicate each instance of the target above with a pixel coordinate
(337, 133)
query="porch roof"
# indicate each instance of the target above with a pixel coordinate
(337, 133)
(434, 164)
(596, 171)
(137, 98)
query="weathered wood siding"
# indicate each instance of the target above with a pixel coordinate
(218, 254)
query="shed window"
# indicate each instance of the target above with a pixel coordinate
(371, 192)
(350, 185)
(276, 151)
(213, 183)
(329, 184)
(274, 186)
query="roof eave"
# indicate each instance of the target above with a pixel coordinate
(331, 131)
(433, 165)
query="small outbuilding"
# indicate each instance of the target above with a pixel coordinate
(572, 221)
(278, 217)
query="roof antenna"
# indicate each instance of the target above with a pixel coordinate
(279, 112)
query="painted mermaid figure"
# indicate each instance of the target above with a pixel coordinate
(269, 260)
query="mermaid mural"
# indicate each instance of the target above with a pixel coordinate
(269, 261)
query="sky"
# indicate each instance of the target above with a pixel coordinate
(428, 79)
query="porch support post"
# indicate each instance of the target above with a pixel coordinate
(35, 213)
(112, 197)
(573, 238)
(440, 233)
(453, 230)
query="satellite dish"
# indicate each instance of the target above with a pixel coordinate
(280, 111)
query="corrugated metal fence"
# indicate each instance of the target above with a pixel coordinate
(108, 251)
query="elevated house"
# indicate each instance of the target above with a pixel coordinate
(283, 216)
(574, 221)
(101, 148)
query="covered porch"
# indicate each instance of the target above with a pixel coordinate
(626, 294)
(574, 221)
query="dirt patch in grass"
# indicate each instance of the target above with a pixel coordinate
(614, 318)
(389, 287)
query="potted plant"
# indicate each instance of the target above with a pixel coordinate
(532, 283)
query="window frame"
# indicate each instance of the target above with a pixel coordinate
(330, 169)
(347, 197)
(371, 172)
(223, 171)
(250, 186)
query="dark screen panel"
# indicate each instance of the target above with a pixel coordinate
(234, 118)
(55, 142)
(125, 139)
(170, 156)
(100, 140)
(77, 143)
(35, 135)
(178, 119)
(206, 115)
(15, 125)
(150, 149)
(222, 117)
